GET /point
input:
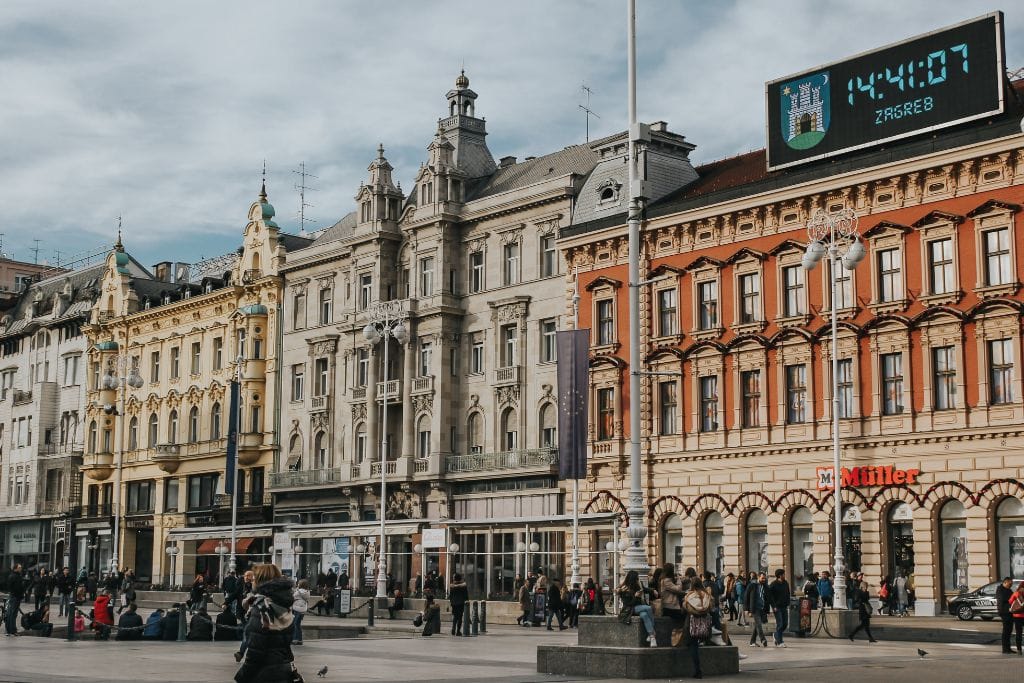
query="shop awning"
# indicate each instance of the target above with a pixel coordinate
(342, 529)
(209, 546)
(217, 533)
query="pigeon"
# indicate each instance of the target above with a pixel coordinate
(322, 673)
(921, 653)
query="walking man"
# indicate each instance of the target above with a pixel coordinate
(755, 601)
(825, 590)
(16, 593)
(459, 596)
(1003, 593)
(779, 594)
(862, 601)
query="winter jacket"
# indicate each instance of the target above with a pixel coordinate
(16, 585)
(671, 594)
(169, 625)
(152, 629)
(200, 627)
(825, 588)
(101, 611)
(755, 598)
(269, 656)
(129, 626)
(458, 594)
(301, 600)
(779, 594)
(222, 632)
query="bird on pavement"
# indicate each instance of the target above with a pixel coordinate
(921, 653)
(322, 673)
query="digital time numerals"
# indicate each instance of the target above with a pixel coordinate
(912, 75)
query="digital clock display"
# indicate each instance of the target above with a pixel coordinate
(932, 81)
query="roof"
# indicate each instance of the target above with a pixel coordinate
(292, 242)
(575, 159)
(340, 230)
(84, 288)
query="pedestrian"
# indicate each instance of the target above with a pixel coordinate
(739, 595)
(811, 589)
(458, 596)
(39, 620)
(825, 590)
(129, 625)
(883, 595)
(226, 625)
(517, 583)
(862, 601)
(729, 593)
(574, 600)
(232, 587)
(671, 595)
(397, 603)
(127, 591)
(200, 627)
(597, 605)
(299, 608)
(636, 600)
(697, 603)
(43, 588)
(343, 579)
(779, 595)
(269, 659)
(556, 606)
(414, 585)
(171, 622)
(65, 586)
(197, 594)
(525, 601)
(431, 617)
(1004, 592)
(151, 631)
(1017, 612)
(15, 594)
(102, 615)
(756, 602)
(91, 585)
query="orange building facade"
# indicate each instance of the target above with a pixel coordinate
(737, 425)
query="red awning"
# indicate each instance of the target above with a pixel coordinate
(209, 546)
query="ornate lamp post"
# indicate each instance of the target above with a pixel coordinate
(297, 559)
(385, 322)
(172, 553)
(835, 234)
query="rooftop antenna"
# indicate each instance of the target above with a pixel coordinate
(589, 112)
(303, 204)
(2, 254)
(35, 251)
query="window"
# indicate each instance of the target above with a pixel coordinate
(93, 433)
(70, 371)
(940, 266)
(548, 427)
(511, 263)
(171, 494)
(997, 257)
(844, 285)
(548, 256)
(326, 301)
(892, 383)
(605, 413)
(750, 381)
(193, 425)
(667, 312)
(154, 430)
(548, 343)
(476, 355)
(240, 338)
(796, 394)
(215, 428)
(256, 492)
(427, 276)
(141, 496)
(197, 356)
(475, 433)
(750, 297)
(426, 349)
(890, 277)
(320, 450)
(510, 430)
(255, 420)
(509, 338)
(299, 311)
(365, 291)
(709, 403)
(669, 404)
(320, 373)
(793, 295)
(133, 433)
(154, 366)
(1000, 371)
(605, 322)
(298, 374)
(218, 353)
(172, 428)
(362, 367)
(476, 272)
(201, 490)
(707, 304)
(845, 383)
(944, 368)
(361, 442)
(175, 361)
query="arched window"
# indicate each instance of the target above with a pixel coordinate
(801, 544)
(256, 261)
(672, 540)
(757, 541)
(172, 428)
(320, 450)
(1010, 537)
(193, 425)
(548, 427)
(953, 532)
(423, 437)
(901, 540)
(475, 433)
(93, 435)
(360, 448)
(714, 543)
(215, 421)
(133, 433)
(154, 429)
(509, 430)
(294, 452)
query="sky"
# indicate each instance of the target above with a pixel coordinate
(164, 113)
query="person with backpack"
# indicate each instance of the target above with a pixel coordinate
(756, 603)
(779, 595)
(739, 595)
(635, 599)
(575, 605)
(697, 603)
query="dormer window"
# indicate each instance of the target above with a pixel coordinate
(608, 193)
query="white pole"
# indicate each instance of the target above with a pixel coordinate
(119, 362)
(382, 579)
(575, 566)
(839, 599)
(232, 564)
(635, 555)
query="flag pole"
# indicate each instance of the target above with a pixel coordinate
(575, 577)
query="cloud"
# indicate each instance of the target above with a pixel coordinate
(164, 113)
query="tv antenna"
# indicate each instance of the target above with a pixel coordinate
(35, 251)
(589, 112)
(302, 188)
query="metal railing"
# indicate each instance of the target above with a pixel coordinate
(503, 460)
(251, 275)
(391, 468)
(300, 478)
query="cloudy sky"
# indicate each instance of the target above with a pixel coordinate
(163, 113)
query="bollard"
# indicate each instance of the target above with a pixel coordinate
(483, 616)
(476, 618)
(72, 605)
(369, 614)
(182, 616)
(465, 621)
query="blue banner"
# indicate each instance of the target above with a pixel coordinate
(229, 472)
(573, 364)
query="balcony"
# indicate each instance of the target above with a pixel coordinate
(421, 465)
(251, 275)
(390, 470)
(506, 376)
(92, 511)
(98, 466)
(167, 457)
(305, 479)
(511, 462)
(20, 397)
(319, 403)
(358, 393)
(391, 390)
(423, 385)
(49, 508)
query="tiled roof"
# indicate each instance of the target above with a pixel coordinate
(339, 230)
(577, 159)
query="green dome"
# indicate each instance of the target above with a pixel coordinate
(253, 309)
(268, 210)
(121, 261)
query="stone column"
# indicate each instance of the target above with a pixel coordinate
(822, 531)
(372, 425)
(872, 533)
(692, 541)
(777, 542)
(408, 427)
(731, 538)
(980, 547)
(927, 590)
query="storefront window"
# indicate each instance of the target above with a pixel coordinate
(672, 541)
(901, 540)
(1010, 538)
(953, 523)
(714, 543)
(802, 544)
(851, 538)
(757, 541)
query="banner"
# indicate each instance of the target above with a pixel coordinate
(229, 471)
(573, 366)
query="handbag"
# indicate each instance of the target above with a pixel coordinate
(656, 606)
(700, 626)
(418, 621)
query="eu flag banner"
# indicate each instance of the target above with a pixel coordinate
(229, 470)
(573, 365)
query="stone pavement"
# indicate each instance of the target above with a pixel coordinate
(505, 655)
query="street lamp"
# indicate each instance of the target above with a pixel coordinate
(385, 322)
(222, 550)
(297, 558)
(835, 234)
(172, 554)
(121, 374)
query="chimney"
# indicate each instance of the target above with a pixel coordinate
(162, 271)
(659, 127)
(506, 161)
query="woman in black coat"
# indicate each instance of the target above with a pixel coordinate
(268, 659)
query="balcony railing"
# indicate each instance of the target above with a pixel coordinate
(420, 465)
(423, 385)
(305, 478)
(506, 376)
(251, 275)
(319, 402)
(355, 472)
(358, 393)
(22, 397)
(392, 468)
(92, 511)
(504, 460)
(54, 507)
(390, 389)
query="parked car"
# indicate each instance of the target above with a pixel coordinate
(977, 603)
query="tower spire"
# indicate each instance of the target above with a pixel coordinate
(263, 185)
(118, 246)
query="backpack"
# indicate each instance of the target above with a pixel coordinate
(883, 592)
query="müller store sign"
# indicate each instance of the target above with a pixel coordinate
(858, 477)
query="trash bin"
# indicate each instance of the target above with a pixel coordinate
(800, 616)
